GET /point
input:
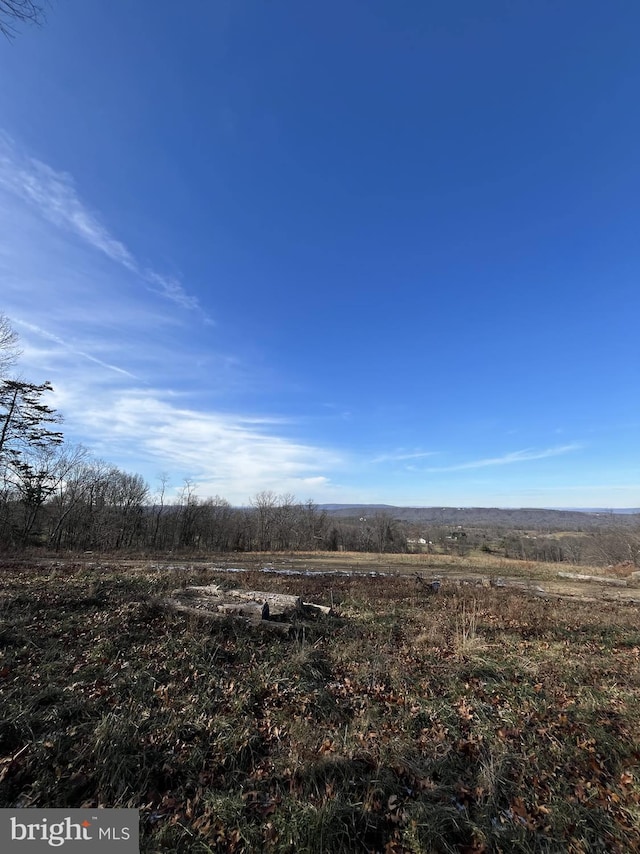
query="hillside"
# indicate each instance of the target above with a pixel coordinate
(495, 517)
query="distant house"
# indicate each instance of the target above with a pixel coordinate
(416, 541)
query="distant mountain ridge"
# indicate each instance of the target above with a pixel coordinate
(527, 518)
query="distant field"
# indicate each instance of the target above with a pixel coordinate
(477, 719)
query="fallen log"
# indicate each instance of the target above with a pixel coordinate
(175, 605)
(280, 604)
(283, 629)
(320, 609)
(255, 610)
(256, 607)
(206, 590)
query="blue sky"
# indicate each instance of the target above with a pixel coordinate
(353, 251)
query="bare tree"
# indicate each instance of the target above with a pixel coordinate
(158, 507)
(188, 518)
(15, 12)
(9, 350)
(73, 462)
(40, 476)
(314, 525)
(78, 509)
(613, 545)
(386, 534)
(217, 530)
(264, 505)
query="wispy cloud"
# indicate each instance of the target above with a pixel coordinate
(401, 456)
(55, 197)
(172, 290)
(229, 454)
(525, 455)
(135, 383)
(57, 340)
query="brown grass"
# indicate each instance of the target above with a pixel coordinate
(472, 720)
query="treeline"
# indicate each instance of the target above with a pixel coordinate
(59, 498)
(56, 497)
(599, 546)
(72, 503)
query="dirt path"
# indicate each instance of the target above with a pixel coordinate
(545, 580)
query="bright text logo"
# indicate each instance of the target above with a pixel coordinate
(56, 833)
(108, 831)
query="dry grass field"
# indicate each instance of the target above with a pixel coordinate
(485, 717)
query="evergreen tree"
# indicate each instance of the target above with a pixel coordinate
(25, 419)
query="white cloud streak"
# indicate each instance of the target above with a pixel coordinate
(525, 455)
(228, 454)
(401, 456)
(171, 289)
(133, 382)
(57, 340)
(55, 197)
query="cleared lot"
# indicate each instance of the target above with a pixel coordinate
(478, 718)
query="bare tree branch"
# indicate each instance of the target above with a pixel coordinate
(14, 12)
(9, 350)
